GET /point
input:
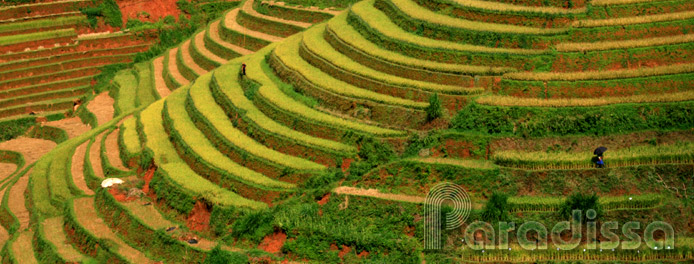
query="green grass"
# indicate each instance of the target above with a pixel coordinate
(503, 100)
(58, 176)
(186, 70)
(196, 141)
(146, 94)
(156, 138)
(467, 163)
(227, 78)
(288, 53)
(286, 88)
(41, 96)
(218, 48)
(634, 20)
(182, 175)
(42, 87)
(14, 39)
(382, 23)
(201, 97)
(171, 82)
(41, 23)
(203, 60)
(601, 75)
(313, 40)
(416, 12)
(504, 7)
(166, 157)
(51, 237)
(609, 203)
(130, 139)
(271, 92)
(39, 189)
(41, 107)
(624, 44)
(126, 87)
(139, 232)
(682, 152)
(12, 157)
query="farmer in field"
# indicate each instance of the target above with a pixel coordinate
(599, 162)
(243, 69)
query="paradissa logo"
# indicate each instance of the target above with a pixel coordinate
(480, 235)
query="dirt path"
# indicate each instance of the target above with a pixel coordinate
(312, 9)
(214, 35)
(53, 231)
(78, 168)
(17, 203)
(95, 156)
(88, 218)
(4, 235)
(113, 151)
(377, 194)
(102, 108)
(230, 22)
(73, 126)
(31, 148)
(200, 45)
(468, 163)
(248, 8)
(159, 83)
(151, 217)
(22, 248)
(6, 169)
(173, 69)
(188, 60)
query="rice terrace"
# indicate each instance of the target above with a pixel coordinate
(347, 131)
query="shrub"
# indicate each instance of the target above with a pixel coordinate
(580, 201)
(372, 153)
(496, 208)
(434, 110)
(14, 128)
(108, 9)
(253, 226)
(219, 256)
(323, 179)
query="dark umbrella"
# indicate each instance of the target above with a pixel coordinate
(598, 151)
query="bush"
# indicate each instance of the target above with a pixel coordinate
(219, 256)
(253, 226)
(580, 201)
(434, 110)
(372, 153)
(14, 128)
(322, 180)
(496, 208)
(108, 9)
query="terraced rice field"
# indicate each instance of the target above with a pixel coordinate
(285, 133)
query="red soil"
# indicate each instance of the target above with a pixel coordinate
(345, 164)
(199, 218)
(409, 231)
(147, 10)
(324, 200)
(344, 251)
(121, 197)
(273, 243)
(363, 254)
(148, 177)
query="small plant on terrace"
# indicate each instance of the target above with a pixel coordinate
(580, 201)
(496, 208)
(435, 109)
